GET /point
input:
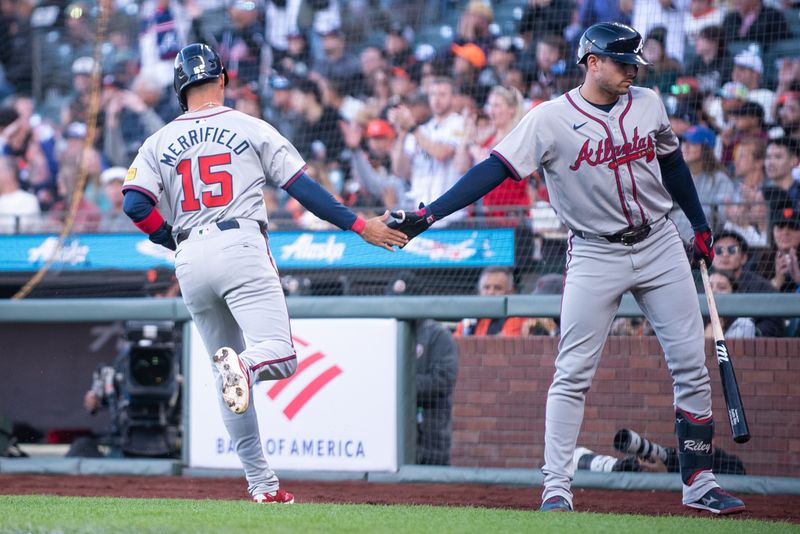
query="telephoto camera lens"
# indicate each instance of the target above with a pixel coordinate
(630, 442)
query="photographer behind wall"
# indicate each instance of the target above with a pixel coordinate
(142, 393)
(644, 455)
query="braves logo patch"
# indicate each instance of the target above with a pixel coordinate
(131, 174)
(615, 156)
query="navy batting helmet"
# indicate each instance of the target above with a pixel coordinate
(612, 39)
(196, 63)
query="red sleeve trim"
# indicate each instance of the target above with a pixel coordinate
(151, 223)
(141, 190)
(514, 174)
(359, 225)
(295, 177)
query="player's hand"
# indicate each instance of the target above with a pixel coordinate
(163, 237)
(703, 248)
(412, 223)
(378, 233)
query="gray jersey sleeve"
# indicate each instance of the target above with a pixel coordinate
(279, 157)
(529, 144)
(143, 174)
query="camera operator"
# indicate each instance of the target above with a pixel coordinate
(141, 391)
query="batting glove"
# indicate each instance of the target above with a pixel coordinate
(703, 247)
(163, 237)
(412, 224)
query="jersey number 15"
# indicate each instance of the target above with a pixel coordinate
(208, 177)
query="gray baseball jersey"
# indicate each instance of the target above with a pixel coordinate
(603, 178)
(208, 168)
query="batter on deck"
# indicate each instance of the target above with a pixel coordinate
(208, 167)
(613, 168)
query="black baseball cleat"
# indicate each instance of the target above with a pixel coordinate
(718, 501)
(556, 504)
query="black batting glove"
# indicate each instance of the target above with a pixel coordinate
(163, 237)
(412, 223)
(703, 248)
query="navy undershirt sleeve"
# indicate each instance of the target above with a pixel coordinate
(678, 181)
(321, 203)
(137, 205)
(478, 181)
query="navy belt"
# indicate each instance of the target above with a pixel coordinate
(628, 237)
(222, 225)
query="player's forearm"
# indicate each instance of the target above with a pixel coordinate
(478, 181)
(322, 204)
(678, 181)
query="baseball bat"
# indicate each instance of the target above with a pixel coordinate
(730, 388)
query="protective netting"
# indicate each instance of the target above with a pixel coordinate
(346, 81)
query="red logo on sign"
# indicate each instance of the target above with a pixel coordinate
(312, 388)
(615, 156)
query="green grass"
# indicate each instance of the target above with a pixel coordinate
(39, 514)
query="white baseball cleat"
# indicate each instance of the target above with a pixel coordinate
(235, 379)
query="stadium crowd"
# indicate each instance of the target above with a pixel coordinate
(390, 101)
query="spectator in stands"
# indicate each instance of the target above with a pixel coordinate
(16, 46)
(789, 114)
(372, 60)
(781, 188)
(18, 209)
(702, 14)
(733, 327)
(241, 42)
(281, 21)
(731, 96)
(130, 119)
(788, 74)
(746, 120)
(505, 109)
(546, 64)
(437, 370)
(493, 282)
(378, 91)
(546, 284)
(473, 26)
(732, 257)
(664, 69)
(401, 85)
(247, 100)
(748, 69)
(32, 148)
(372, 165)
(747, 213)
(318, 136)
(76, 162)
(296, 62)
(780, 266)
(113, 219)
(546, 17)
(501, 58)
(337, 62)
(279, 112)
(714, 187)
(752, 21)
(424, 152)
(336, 95)
(712, 64)
(669, 14)
(165, 25)
(593, 11)
(469, 59)
(397, 48)
(78, 101)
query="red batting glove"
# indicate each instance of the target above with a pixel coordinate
(703, 247)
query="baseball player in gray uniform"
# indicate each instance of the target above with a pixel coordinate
(613, 169)
(208, 168)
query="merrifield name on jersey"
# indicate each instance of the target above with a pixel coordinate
(195, 136)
